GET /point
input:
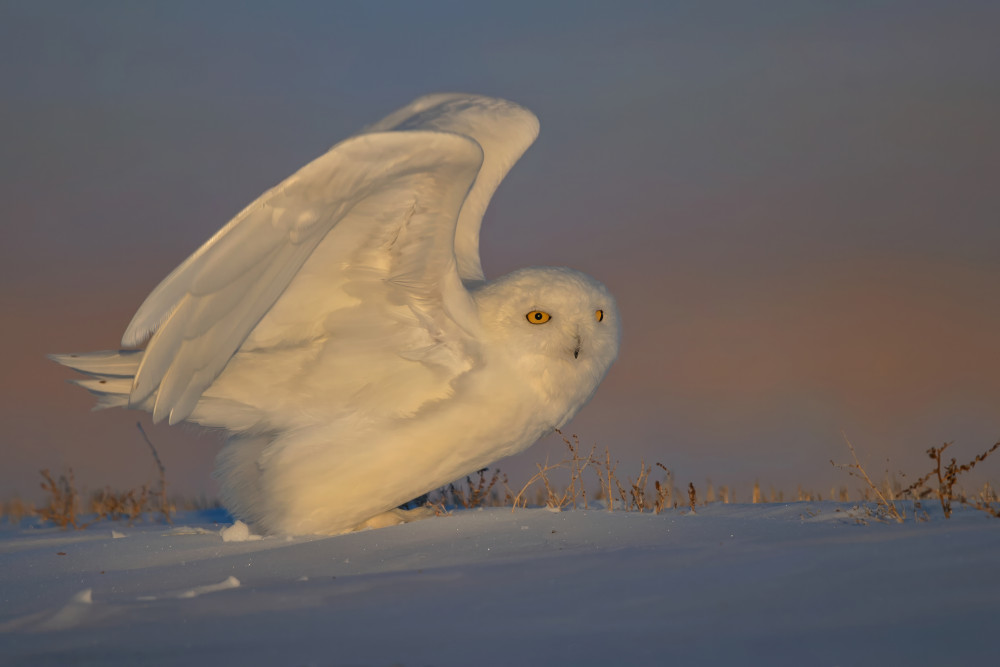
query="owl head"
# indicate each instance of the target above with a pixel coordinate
(557, 325)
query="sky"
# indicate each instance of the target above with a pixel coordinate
(795, 204)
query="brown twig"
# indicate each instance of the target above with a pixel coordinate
(162, 493)
(857, 470)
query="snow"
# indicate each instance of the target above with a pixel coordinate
(238, 532)
(796, 583)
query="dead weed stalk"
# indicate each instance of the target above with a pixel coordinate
(63, 502)
(477, 494)
(886, 500)
(945, 474)
(634, 498)
(161, 494)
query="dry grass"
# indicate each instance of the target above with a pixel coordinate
(63, 506)
(946, 491)
(947, 478)
(479, 493)
(123, 505)
(63, 500)
(885, 496)
(633, 496)
(16, 509)
(572, 493)
(559, 485)
(161, 493)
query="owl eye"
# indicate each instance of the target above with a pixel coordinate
(599, 315)
(538, 317)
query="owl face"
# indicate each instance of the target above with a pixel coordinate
(555, 320)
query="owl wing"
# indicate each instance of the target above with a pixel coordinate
(386, 204)
(379, 187)
(504, 129)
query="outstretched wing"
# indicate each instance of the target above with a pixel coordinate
(399, 193)
(504, 129)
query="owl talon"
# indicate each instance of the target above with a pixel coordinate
(394, 517)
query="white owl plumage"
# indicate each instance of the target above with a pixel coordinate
(341, 331)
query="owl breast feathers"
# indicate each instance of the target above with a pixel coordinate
(341, 331)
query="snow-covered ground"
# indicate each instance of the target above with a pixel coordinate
(790, 584)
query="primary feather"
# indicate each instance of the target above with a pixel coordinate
(340, 328)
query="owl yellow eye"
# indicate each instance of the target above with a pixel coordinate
(599, 315)
(538, 317)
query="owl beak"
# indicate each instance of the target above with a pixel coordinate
(576, 350)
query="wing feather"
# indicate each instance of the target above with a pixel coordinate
(504, 129)
(202, 313)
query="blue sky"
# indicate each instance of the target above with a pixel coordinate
(795, 204)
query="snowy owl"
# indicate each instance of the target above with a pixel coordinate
(341, 331)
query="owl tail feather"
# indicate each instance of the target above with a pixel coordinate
(111, 374)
